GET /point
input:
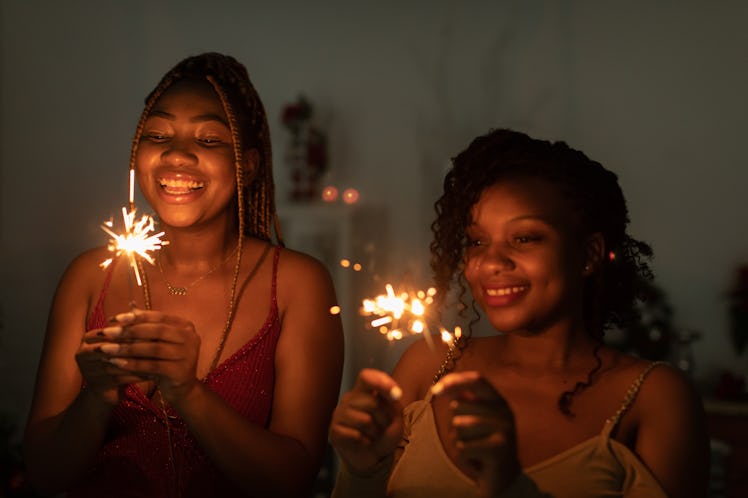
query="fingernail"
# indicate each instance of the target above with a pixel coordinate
(437, 389)
(111, 331)
(124, 317)
(395, 393)
(109, 348)
(117, 362)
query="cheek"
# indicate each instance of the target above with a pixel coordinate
(471, 273)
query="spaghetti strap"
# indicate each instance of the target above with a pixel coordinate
(97, 319)
(276, 257)
(628, 400)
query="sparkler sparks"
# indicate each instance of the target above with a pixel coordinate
(397, 315)
(138, 237)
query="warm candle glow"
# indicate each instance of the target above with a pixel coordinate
(350, 196)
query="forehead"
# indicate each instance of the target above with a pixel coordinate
(523, 197)
(194, 96)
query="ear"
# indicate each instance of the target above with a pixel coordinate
(594, 253)
(250, 163)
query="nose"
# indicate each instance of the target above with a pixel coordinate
(495, 261)
(179, 153)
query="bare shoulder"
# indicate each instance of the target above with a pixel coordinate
(299, 269)
(417, 366)
(85, 274)
(666, 390)
(671, 435)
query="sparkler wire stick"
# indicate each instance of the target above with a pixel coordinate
(138, 238)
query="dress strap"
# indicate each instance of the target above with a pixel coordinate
(273, 286)
(628, 400)
(97, 319)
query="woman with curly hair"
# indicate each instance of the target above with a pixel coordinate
(218, 378)
(536, 231)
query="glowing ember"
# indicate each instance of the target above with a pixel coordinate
(137, 239)
(398, 315)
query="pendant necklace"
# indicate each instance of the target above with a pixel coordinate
(175, 290)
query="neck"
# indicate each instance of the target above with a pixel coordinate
(194, 251)
(564, 347)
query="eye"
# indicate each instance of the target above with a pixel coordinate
(210, 141)
(524, 239)
(473, 242)
(155, 136)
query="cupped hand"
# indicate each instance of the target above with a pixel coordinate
(367, 423)
(482, 429)
(148, 345)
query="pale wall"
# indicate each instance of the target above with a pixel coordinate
(654, 90)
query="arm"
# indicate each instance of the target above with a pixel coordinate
(672, 439)
(66, 426)
(284, 460)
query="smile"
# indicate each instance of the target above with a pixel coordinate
(506, 291)
(178, 186)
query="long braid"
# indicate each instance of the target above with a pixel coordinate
(255, 199)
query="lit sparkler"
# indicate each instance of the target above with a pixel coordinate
(138, 238)
(398, 315)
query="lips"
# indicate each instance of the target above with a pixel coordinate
(179, 186)
(505, 295)
(506, 291)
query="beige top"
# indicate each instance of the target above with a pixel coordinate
(598, 467)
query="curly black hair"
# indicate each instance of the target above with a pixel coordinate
(593, 192)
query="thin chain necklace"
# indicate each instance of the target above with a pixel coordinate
(182, 291)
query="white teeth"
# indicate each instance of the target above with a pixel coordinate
(179, 186)
(505, 291)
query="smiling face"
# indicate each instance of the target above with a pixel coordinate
(185, 158)
(525, 260)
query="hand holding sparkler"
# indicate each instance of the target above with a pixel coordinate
(367, 424)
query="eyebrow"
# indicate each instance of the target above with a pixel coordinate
(200, 118)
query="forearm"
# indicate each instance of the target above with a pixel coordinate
(254, 458)
(59, 449)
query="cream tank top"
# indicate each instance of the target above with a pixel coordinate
(598, 467)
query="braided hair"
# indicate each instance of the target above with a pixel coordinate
(255, 200)
(249, 129)
(611, 294)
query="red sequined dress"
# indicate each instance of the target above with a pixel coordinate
(135, 460)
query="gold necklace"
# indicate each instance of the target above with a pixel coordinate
(182, 291)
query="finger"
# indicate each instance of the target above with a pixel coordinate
(153, 350)
(483, 447)
(344, 436)
(466, 385)
(382, 411)
(363, 422)
(102, 335)
(137, 316)
(145, 368)
(470, 427)
(379, 382)
(157, 331)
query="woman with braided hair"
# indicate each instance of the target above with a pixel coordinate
(219, 376)
(537, 232)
